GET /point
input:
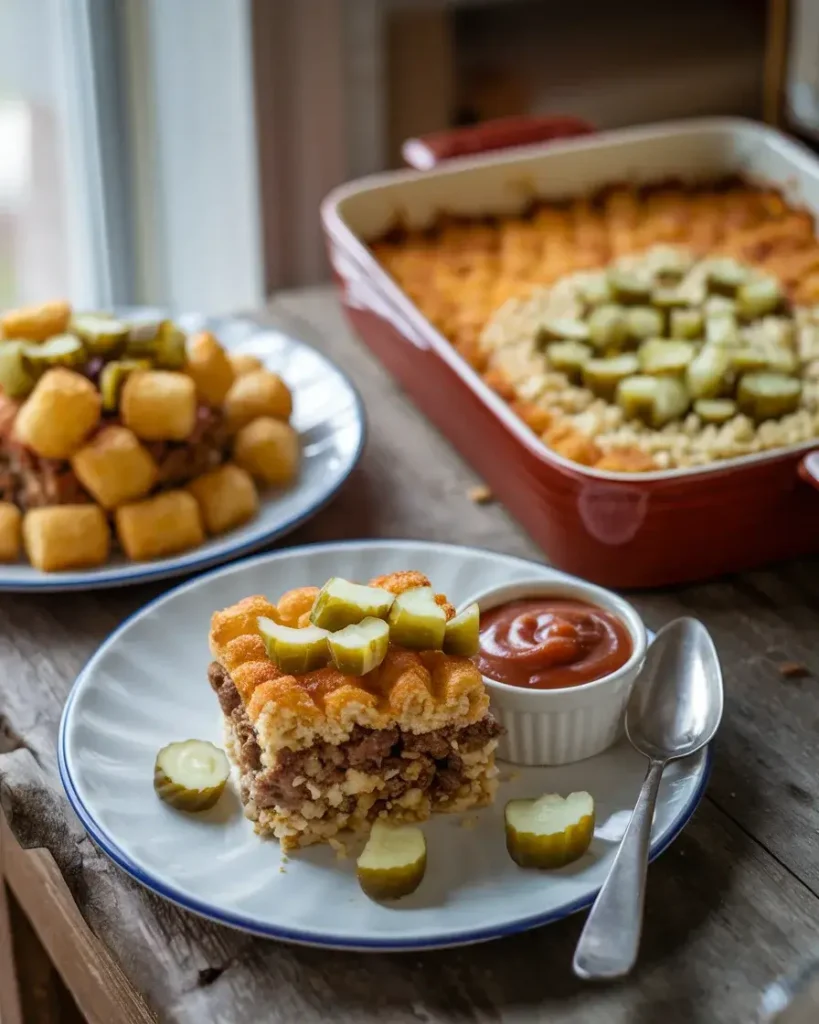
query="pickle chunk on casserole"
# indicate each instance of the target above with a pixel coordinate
(323, 752)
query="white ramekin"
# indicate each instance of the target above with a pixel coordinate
(548, 727)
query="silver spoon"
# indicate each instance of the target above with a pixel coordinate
(673, 711)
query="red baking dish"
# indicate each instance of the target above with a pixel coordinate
(641, 530)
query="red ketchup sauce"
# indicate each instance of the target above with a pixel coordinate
(547, 643)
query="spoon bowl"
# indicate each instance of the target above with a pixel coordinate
(676, 704)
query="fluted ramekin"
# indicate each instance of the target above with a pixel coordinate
(550, 727)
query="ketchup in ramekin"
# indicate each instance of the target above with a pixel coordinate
(549, 643)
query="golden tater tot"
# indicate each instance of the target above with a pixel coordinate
(293, 604)
(59, 414)
(269, 450)
(227, 497)
(10, 531)
(163, 525)
(36, 323)
(259, 393)
(114, 467)
(210, 368)
(159, 405)
(243, 363)
(66, 537)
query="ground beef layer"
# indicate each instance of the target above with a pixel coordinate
(309, 795)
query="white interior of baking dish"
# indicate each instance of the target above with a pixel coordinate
(505, 181)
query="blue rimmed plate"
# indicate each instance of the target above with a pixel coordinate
(329, 416)
(147, 686)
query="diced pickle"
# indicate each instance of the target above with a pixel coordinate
(608, 328)
(393, 862)
(190, 775)
(295, 651)
(169, 353)
(61, 350)
(340, 603)
(721, 329)
(725, 276)
(359, 648)
(767, 396)
(667, 298)
(656, 400)
(114, 375)
(603, 375)
(643, 322)
(757, 298)
(101, 335)
(665, 357)
(416, 621)
(715, 410)
(462, 632)
(707, 371)
(568, 357)
(596, 290)
(16, 379)
(686, 324)
(549, 832)
(562, 329)
(776, 330)
(719, 305)
(628, 288)
(748, 359)
(781, 360)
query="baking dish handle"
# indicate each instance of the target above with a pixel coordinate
(426, 151)
(809, 468)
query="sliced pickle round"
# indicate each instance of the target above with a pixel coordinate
(643, 322)
(114, 375)
(655, 400)
(190, 775)
(462, 632)
(758, 298)
(608, 327)
(725, 276)
(61, 350)
(706, 373)
(562, 329)
(686, 324)
(293, 650)
(359, 648)
(715, 410)
(16, 379)
(169, 350)
(101, 335)
(568, 357)
(340, 603)
(660, 358)
(603, 375)
(393, 862)
(416, 621)
(721, 329)
(549, 832)
(628, 288)
(141, 340)
(767, 396)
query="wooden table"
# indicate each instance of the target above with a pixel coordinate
(731, 905)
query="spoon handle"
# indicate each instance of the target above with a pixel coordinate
(611, 937)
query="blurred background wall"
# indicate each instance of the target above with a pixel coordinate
(174, 152)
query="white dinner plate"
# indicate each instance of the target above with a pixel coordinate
(327, 413)
(147, 686)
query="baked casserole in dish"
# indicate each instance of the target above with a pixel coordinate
(617, 331)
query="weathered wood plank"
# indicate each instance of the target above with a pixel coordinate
(725, 916)
(10, 1010)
